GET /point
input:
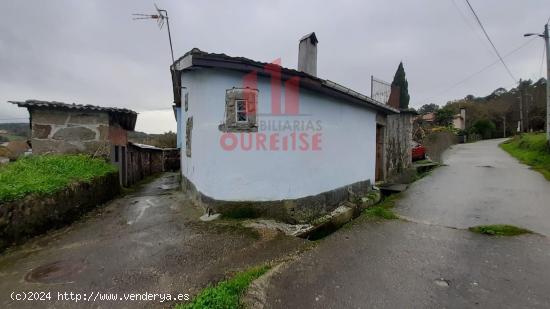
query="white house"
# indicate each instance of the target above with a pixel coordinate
(257, 137)
(459, 120)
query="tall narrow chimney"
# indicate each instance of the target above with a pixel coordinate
(307, 54)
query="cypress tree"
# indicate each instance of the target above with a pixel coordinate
(400, 80)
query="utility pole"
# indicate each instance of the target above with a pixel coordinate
(545, 36)
(520, 110)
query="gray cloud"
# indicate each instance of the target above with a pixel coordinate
(92, 52)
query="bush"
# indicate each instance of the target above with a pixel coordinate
(484, 127)
(47, 174)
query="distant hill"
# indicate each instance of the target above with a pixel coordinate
(14, 131)
(165, 140)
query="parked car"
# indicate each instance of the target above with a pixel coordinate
(418, 151)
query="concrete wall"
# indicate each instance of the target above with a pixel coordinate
(347, 153)
(55, 131)
(437, 142)
(398, 138)
(458, 122)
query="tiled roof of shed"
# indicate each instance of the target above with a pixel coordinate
(55, 104)
(125, 117)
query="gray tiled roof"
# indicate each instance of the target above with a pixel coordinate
(125, 117)
(55, 104)
(202, 58)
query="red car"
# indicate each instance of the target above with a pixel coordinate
(418, 151)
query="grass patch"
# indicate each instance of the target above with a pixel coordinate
(383, 210)
(46, 174)
(226, 294)
(532, 150)
(499, 230)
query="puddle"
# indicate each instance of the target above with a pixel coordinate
(62, 271)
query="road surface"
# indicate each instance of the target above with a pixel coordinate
(481, 184)
(148, 241)
(431, 261)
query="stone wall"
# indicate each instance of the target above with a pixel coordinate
(58, 131)
(397, 143)
(36, 214)
(300, 210)
(437, 142)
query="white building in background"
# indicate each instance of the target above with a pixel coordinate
(279, 141)
(459, 120)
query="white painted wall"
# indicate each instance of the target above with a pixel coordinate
(348, 144)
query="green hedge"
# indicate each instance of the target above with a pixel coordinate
(46, 174)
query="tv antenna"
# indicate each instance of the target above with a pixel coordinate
(162, 18)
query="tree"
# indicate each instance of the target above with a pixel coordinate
(444, 116)
(166, 140)
(428, 108)
(484, 127)
(400, 80)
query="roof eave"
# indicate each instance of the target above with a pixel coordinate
(191, 60)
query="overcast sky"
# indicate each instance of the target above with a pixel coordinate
(92, 52)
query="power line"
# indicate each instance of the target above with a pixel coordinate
(471, 26)
(490, 41)
(481, 70)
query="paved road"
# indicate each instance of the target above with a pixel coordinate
(481, 184)
(428, 263)
(147, 241)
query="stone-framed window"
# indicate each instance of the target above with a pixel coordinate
(188, 132)
(240, 110)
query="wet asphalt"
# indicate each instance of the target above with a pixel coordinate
(148, 241)
(480, 184)
(430, 260)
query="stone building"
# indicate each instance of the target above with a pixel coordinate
(58, 127)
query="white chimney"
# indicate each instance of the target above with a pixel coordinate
(307, 54)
